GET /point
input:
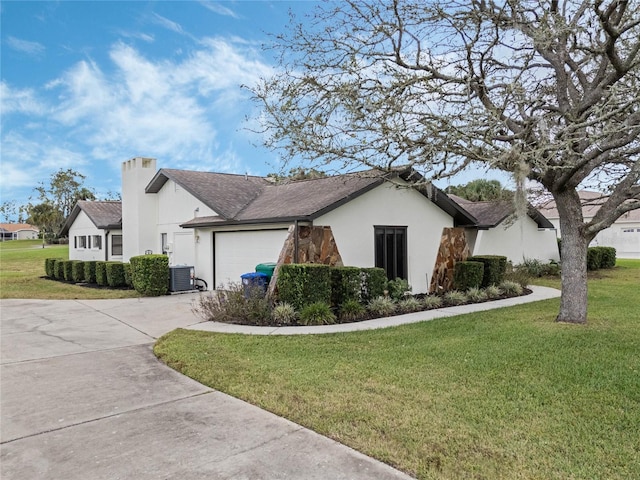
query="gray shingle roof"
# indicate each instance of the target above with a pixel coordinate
(491, 213)
(257, 200)
(104, 214)
(226, 194)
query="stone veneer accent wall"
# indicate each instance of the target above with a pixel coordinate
(453, 248)
(316, 244)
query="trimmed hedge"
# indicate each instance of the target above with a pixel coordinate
(90, 271)
(101, 273)
(77, 271)
(58, 269)
(495, 267)
(150, 274)
(601, 257)
(68, 270)
(115, 274)
(346, 284)
(127, 275)
(467, 275)
(374, 283)
(50, 266)
(300, 285)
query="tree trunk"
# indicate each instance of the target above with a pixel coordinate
(573, 301)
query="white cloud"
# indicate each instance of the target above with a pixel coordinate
(218, 8)
(33, 49)
(166, 23)
(19, 101)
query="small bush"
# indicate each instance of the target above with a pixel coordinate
(317, 313)
(303, 284)
(229, 305)
(374, 283)
(552, 269)
(607, 257)
(493, 291)
(101, 273)
(518, 275)
(382, 306)
(346, 284)
(68, 270)
(495, 267)
(532, 266)
(455, 297)
(467, 275)
(398, 288)
(77, 271)
(49, 267)
(601, 257)
(58, 269)
(594, 258)
(511, 288)
(127, 275)
(284, 314)
(90, 271)
(432, 301)
(115, 274)
(150, 274)
(409, 305)
(352, 311)
(476, 295)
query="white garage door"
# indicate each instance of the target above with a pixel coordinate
(239, 252)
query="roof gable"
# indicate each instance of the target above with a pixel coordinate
(489, 214)
(309, 199)
(226, 194)
(104, 215)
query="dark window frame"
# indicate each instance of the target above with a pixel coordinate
(391, 251)
(115, 244)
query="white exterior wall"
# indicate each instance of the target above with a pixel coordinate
(353, 228)
(139, 210)
(237, 253)
(176, 206)
(26, 234)
(83, 226)
(624, 236)
(517, 241)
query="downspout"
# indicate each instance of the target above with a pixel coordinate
(106, 245)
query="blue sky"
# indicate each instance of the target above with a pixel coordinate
(88, 85)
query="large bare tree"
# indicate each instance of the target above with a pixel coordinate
(546, 90)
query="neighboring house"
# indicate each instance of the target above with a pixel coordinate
(18, 231)
(499, 232)
(623, 235)
(224, 224)
(94, 229)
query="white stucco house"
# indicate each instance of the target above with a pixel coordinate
(94, 229)
(224, 224)
(18, 231)
(623, 235)
(498, 231)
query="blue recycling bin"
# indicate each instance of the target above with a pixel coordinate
(254, 280)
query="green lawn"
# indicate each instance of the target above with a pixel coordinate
(504, 394)
(22, 274)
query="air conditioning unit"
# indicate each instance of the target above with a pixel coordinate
(181, 278)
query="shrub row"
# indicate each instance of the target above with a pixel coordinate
(479, 271)
(107, 274)
(601, 257)
(300, 285)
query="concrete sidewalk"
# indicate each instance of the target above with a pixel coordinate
(538, 293)
(83, 397)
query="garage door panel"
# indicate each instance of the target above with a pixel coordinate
(240, 252)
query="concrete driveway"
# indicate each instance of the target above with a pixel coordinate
(83, 397)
